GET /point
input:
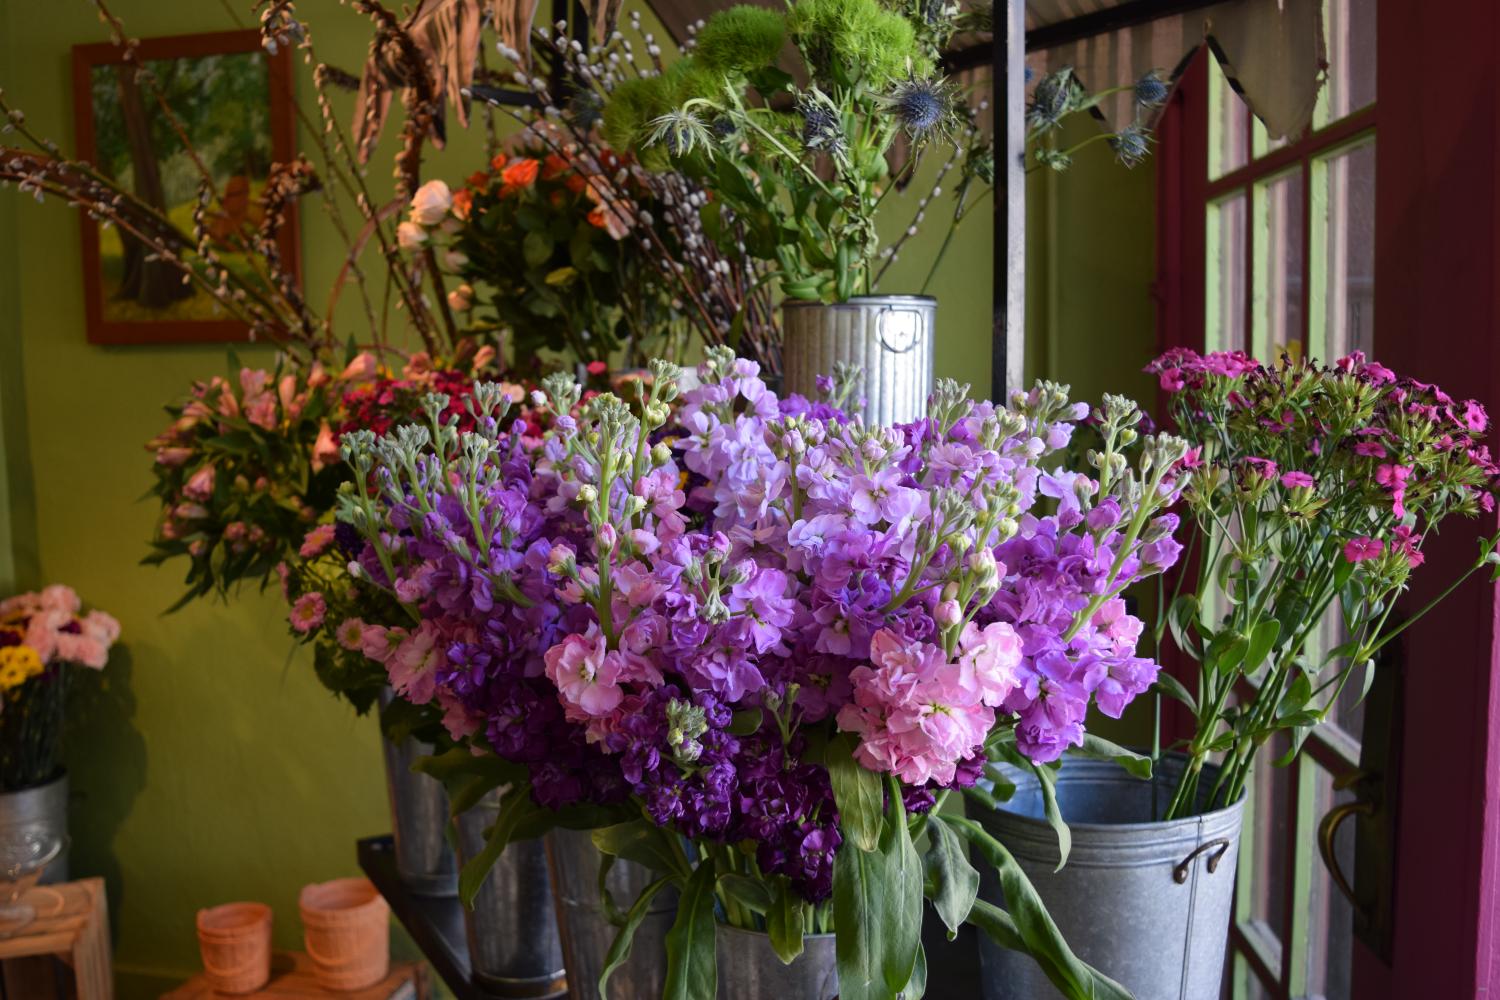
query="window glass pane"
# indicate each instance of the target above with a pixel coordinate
(1261, 140)
(1343, 212)
(1276, 305)
(1349, 26)
(1271, 788)
(1228, 124)
(1225, 322)
(1331, 936)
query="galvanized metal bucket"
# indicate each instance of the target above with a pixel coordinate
(889, 336)
(419, 819)
(1145, 902)
(32, 820)
(587, 931)
(750, 970)
(514, 949)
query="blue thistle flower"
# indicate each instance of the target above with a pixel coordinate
(1131, 144)
(921, 105)
(822, 127)
(1151, 90)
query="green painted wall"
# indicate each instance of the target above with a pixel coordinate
(207, 764)
(1090, 263)
(1090, 318)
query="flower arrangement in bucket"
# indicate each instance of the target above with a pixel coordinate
(43, 635)
(755, 644)
(1312, 489)
(799, 157)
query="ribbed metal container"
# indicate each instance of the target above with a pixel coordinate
(32, 820)
(514, 949)
(750, 970)
(419, 819)
(587, 932)
(889, 336)
(1145, 902)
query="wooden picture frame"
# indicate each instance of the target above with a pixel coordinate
(129, 298)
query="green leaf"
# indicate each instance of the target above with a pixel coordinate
(877, 908)
(1262, 640)
(515, 806)
(954, 882)
(692, 966)
(749, 892)
(1047, 778)
(644, 843)
(536, 248)
(1172, 686)
(1183, 619)
(785, 922)
(857, 792)
(1028, 927)
(745, 722)
(1098, 748)
(619, 950)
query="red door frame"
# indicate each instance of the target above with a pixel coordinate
(1437, 317)
(1437, 308)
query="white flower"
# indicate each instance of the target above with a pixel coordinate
(454, 260)
(431, 203)
(410, 236)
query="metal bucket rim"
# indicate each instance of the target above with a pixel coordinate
(1118, 773)
(60, 778)
(858, 301)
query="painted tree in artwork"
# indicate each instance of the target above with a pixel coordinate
(220, 104)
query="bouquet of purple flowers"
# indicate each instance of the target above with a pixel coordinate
(754, 644)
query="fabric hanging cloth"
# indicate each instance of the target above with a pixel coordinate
(1273, 52)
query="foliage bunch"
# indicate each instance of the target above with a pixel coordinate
(1313, 490)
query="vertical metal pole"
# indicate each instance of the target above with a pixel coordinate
(1009, 331)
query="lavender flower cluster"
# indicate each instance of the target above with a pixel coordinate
(683, 601)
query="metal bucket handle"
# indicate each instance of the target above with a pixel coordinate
(880, 325)
(1180, 873)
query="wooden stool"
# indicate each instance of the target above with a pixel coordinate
(292, 979)
(71, 926)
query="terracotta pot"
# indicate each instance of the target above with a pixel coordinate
(346, 930)
(235, 941)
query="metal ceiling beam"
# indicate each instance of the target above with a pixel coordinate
(1125, 15)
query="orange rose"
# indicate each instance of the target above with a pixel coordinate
(520, 174)
(463, 202)
(498, 163)
(478, 180)
(576, 183)
(553, 166)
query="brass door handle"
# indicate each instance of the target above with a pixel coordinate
(1327, 830)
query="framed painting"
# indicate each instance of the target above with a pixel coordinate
(210, 107)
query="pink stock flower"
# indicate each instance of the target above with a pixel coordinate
(991, 657)
(1362, 548)
(378, 642)
(413, 666)
(100, 626)
(60, 597)
(83, 650)
(586, 676)
(308, 612)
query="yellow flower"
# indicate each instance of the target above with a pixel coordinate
(18, 664)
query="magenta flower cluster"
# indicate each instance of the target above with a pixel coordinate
(684, 600)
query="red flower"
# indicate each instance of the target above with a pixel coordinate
(520, 174)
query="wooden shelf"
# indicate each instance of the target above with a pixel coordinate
(437, 926)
